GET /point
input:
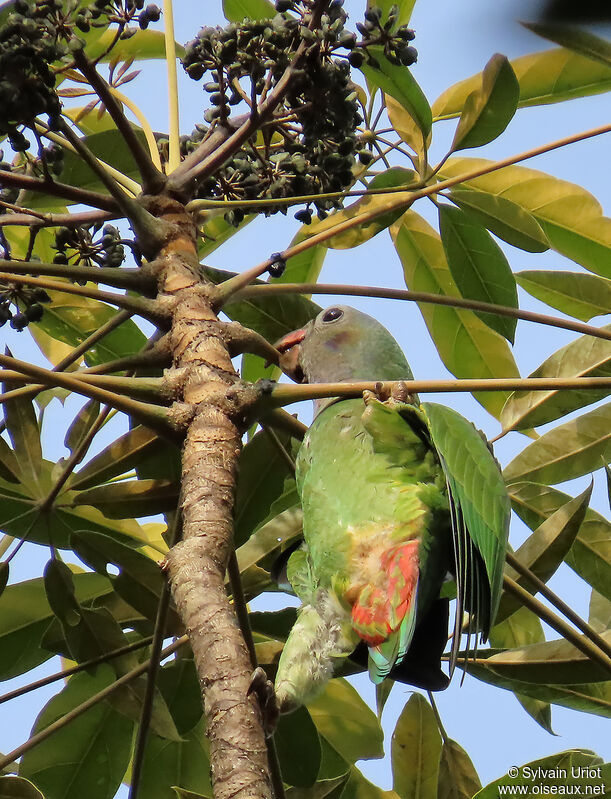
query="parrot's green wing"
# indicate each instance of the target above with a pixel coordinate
(481, 508)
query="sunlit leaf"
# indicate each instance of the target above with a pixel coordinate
(237, 10)
(488, 109)
(479, 266)
(599, 617)
(416, 750)
(131, 498)
(81, 424)
(405, 126)
(570, 216)
(548, 77)
(22, 427)
(570, 450)
(577, 295)
(405, 8)
(458, 778)
(576, 39)
(584, 357)
(465, 344)
(504, 218)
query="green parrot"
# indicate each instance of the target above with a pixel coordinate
(396, 497)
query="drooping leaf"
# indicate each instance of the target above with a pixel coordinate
(279, 530)
(570, 450)
(479, 266)
(89, 757)
(599, 617)
(546, 548)
(399, 83)
(347, 723)
(504, 218)
(18, 788)
(359, 787)
(548, 77)
(551, 772)
(237, 10)
(81, 424)
(383, 690)
(298, 748)
(580, 296)
(590, 555)
(404, 9)
(406, 126)
(416, 751)
(322, 788)
(131, 498)
(24, 432)
(584, 357)
(570, 216)
(489, 109)
(458, 778)
(465, 344)
(576, 39)
(59, 588)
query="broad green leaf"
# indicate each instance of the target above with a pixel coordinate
(479, 266)
(398, 82)
(548, 663)
(147, 44)
(131, 498)
(546, 548)
(548, 77)
(599, 617)
(580, 296)
(273, 624)
(59, 588)
(279, 530)
(570, 450)
(586, 697)
(522, 628)
(9, 466)
(24, 616)
(387, 206)
(24, 432)
(416, 750)
(237, 10)
(81, 425)
(504, 218)
(358, 787)
(550, 772)
(405, 8)
(383, 690)
(119, 457)
(458, 778)
(570, 216)
(590, 555)
(348, 724)
(576, 39)
(320, 789)
(5, 571)
(261, 477)
(465, 344)
(88, 757)
(584, 357)
(179, 686)
(406, 127)
(18, 788)
(489, 109)
(216, 230)
(298, 747)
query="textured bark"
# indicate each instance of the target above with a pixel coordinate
(197, 565)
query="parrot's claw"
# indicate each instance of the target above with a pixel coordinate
(263, 689)
(400, 393)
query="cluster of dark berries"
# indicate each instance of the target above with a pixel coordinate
(77, 245)
(378, 32)
(7, 193)
(21, 297)
(101, 13)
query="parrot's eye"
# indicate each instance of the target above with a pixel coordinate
(332, 314)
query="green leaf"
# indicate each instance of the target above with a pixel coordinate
(405, 8)
(147, 44)
(416, 751)
(131, 498)
(271, 536)
(465, 344)
(298, 747)
(358, 787)
(570, 450)
(322, 788)
(9, 466)
(18, 788)
(599, 617)
(548, 663)
(584, 357)
(385, 204)
(88, 757)
(406, 127)
(590, 555)
(576, 39)
(549, 77)
(237, 10)
(478, 266)
(458, 778)
(570, 216)
(546, 549)
(383, 690)
(580, 296)
(59, 588)
(504, 218)
(549, 771)
(347, 723)
(23, 430)
(489, 109)
(179, 686)
(400, 84)
(4, 575)
(81, 425)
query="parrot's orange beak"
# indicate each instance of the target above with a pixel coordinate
(289, 349)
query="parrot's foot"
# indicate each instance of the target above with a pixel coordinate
(263, 689)
(398, 393)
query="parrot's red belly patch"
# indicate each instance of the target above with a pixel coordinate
(379, 609)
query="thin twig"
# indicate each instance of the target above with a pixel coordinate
(61, 190)
(127, 278)
(27, 217)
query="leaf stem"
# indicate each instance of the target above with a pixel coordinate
(146, 128)
(173, 109)
(418, 296)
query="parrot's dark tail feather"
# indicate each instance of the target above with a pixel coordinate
(421, 666)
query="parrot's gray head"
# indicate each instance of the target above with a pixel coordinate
(342, 344)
